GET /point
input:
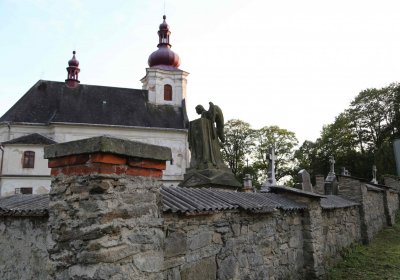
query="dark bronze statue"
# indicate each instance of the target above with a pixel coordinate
(206, 137)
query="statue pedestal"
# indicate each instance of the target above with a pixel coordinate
(207, 168)
(214, 178)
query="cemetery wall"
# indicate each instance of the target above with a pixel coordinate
(391, 200)
(23, 251)
(373, 216)
(392, 181)
(234, 245)
(340, 229)
(106, 221)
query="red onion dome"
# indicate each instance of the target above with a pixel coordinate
(164, 56)
(73, 62)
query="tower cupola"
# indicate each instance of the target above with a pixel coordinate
(73, 71)
(164, 57)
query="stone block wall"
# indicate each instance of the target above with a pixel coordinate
(391, 200)
(350, 187)
(23, 253)
(340, 229)
(373, 216)
(106, 221)
(392, 181)
(105, 210)
(234, 245)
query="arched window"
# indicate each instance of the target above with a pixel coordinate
(167, 92)
(29, 159)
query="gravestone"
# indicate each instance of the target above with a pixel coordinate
(374, 170)
(271, 180)
(331, 185)
(305, 180)
(247, 183)
(345, 172)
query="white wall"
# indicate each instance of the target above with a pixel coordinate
(155, 80)
(15, 176)
(176, 139)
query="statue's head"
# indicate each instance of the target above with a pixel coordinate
(200, 109)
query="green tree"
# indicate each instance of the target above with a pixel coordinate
(359, 137)
(284, 142)
(239, 141)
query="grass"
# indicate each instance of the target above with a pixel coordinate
(378, 260)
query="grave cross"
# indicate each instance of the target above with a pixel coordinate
(332, 164)
(374, 170)
(271, 181)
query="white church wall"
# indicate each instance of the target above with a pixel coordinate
(155, 80)
(176, 139)
(39, 185)
(13, 157)
(15, 176)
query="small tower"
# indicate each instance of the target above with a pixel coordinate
(73, 71)
(165, 82)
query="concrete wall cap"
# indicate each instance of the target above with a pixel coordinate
(106, 144)
(276, 189)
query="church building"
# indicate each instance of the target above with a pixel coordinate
(54, 112)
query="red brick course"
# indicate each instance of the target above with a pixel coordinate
(104, 163)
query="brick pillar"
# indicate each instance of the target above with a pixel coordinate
(105, 217)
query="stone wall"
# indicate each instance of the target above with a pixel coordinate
(105, 209)
(340, 229)
(350, 187)
(234, 245)
(373, 217)
(23, 253)
(392, 181)
(391, 200)
(106, 221)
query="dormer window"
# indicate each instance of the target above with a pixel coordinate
(167, 92)
(28, 161)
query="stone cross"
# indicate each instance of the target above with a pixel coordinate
(271, 181)
(332, 165)
(374, 170)
(345, 172)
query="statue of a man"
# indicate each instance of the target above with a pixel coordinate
(206, 138)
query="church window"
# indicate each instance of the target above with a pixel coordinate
(29, 159)
(167, 92)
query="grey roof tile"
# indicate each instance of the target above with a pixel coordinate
(176, 200)
(53, 102)
(335, 201)
(34, 138)
(24, 205)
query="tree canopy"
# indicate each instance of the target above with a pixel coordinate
(360, 137)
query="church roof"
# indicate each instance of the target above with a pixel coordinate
(53, 102)
(34, 138)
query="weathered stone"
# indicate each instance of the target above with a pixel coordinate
(205, 269)
(104, 144)
(175, 244)
(149, 261)
(199, 240)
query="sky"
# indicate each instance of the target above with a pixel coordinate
(295, 64)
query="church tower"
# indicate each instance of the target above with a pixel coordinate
(165, 82)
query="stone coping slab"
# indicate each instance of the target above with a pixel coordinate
(277, 189)
(106, 144)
